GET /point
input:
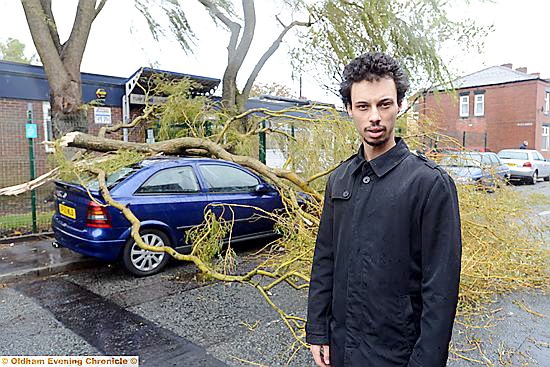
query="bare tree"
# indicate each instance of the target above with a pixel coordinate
(62, 60)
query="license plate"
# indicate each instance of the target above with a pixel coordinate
(511, 164)
(67, 211)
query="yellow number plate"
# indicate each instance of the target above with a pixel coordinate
(67, 211)
(511, 164)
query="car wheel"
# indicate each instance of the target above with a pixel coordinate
(534, 178)
(142, 262)
(547, 178)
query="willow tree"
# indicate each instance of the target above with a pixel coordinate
(62, 60)
(330, 34)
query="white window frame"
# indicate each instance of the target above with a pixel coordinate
(547, 102)
(545, 144)
(479, 105)
(464, 101)
(47, 125)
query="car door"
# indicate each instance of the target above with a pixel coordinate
(171, 197)
(544, 164)
(232, 191)
(540, 164)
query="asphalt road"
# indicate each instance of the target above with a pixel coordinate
(175, 319)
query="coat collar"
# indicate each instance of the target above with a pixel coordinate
(385, 162)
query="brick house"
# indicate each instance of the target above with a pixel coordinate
(493, 109)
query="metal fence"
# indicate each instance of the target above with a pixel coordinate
(29, 212)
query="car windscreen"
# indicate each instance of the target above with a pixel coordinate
(114, 178)
(514, 155)
(462, 160)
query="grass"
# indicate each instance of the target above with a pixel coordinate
(19, 222)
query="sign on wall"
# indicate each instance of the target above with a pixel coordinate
(102, 115)
(140, 99)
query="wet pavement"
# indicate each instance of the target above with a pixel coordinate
(111, 329)
(30, 258)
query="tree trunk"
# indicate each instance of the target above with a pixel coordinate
(62, 61)
(67, 112)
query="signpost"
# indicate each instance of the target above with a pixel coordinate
(31, 132)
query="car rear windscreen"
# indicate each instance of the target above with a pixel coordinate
(514, 155)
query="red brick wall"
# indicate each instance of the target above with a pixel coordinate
(512, 114)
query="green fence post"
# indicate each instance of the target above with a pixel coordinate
(261, 152)
(31, 133)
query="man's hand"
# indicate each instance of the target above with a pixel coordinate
(321, 355)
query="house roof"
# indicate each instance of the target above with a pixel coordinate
(492, 75)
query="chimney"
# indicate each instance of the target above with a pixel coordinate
(536, 74)
(522, 70)
(509, 66)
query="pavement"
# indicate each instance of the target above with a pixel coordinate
(33, 257)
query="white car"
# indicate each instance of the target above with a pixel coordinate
(526, 165)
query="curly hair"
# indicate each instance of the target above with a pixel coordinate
(373, 66)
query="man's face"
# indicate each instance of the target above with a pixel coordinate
(374, 109)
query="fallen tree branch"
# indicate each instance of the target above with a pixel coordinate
(31, 185)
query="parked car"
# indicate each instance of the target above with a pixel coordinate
(526, 165)
(479, 168)
(168, 196)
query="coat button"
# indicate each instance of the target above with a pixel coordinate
(345, 194)
(366, 179)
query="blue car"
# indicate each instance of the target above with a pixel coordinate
(169, 196)
(483, 169)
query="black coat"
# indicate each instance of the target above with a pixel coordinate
(386, 269)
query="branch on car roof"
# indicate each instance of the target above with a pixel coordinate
(179, 145)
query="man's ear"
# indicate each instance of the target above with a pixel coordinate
(348, 108)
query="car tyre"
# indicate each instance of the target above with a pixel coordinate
(534, 178)
(547, 178)
(141, 262)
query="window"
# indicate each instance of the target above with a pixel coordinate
(545, 138)
(48, 131)
(505, 154)
(464, 106)
(547, 102)
(494, 159)
(228, 179)
(479, 106)
(180, 180)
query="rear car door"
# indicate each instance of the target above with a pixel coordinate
(227, 184)
(173, 197)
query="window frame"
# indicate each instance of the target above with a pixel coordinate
(482, 103)
(464, 101)
(545, 138)
(546, 108)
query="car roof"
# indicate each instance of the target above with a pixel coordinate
(174, 159)
(517, 150)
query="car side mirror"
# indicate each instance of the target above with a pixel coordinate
(262, 188)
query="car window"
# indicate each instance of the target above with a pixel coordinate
(494, 159)
(179, 180)
(514, 155)
(462, 160)
(227, 179)
(114, 178)
(538, 156)
(485, 160)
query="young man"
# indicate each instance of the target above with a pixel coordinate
(385, 277)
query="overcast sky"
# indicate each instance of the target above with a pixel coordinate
(120, 42)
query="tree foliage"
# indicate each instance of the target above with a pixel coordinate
(413, 31)
(14, 50)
